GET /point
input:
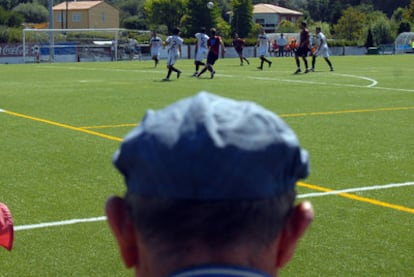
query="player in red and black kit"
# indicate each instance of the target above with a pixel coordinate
(303, 49)
(213, 44)
(238, 45)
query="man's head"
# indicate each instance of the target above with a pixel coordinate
(303, 25)
(318, 30)
(176, 31)
(213, 31)
(209, 180)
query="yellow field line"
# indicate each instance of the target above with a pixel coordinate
(348, 111)
(284, 115)
(63, 125)
(109, 126)
(359, 198)
(301, 184)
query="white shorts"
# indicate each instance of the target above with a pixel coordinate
(323, 52)
(262, 52)
(172, 58)
(201, 54)
(155, 51)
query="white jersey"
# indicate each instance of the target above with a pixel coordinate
(155, 44)
(263, 42)
(202, 47)
(174, 43)
(322, 43)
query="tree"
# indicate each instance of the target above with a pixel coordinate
(10, 4)
(381, 27)
(198, 15)
(351, 26)
(132, 14)
(32, 12)
(286, 26)
(242, 19)
(370, 40)
(318, 10)
(404, 27)
(409, 14)
(168, 12)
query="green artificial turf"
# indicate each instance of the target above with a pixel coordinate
(63, 122)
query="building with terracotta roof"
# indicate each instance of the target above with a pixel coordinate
(85, 15)
(269, 16)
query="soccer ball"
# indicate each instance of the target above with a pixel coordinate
(210, 5)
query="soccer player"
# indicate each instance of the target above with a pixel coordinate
(321, 50)
(303, 49)
(174, 43)
(213, 44)
(238, 45)
(155, 45)
(263, 44)
(201, 49)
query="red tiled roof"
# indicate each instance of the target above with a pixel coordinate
(78, 5)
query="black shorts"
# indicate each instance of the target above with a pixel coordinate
(302, 51)
(212, 58)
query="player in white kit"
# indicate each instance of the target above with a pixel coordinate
(321, 50)
(174, 43)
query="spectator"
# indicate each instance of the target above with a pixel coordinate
(6, 227)
(281, 42)
(210, 188)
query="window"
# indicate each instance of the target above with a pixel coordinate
(59, 17)
(76, 17)
(103, 17)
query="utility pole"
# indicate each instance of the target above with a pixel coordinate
(51, 34)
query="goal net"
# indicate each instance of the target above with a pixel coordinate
(76, 45)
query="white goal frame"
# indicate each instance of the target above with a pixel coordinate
(41, 45)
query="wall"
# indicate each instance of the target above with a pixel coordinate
(103, 16)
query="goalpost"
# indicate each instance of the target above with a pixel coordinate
(59, 45)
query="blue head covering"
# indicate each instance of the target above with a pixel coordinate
(208, 147)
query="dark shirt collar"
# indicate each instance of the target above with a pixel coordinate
(219, 271)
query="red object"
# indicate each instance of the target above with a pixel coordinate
(6, 227)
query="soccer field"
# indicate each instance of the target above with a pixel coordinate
(61, 123)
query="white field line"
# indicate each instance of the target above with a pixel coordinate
(335, 192)
(59, 223)
(373, 83)
(308, 195)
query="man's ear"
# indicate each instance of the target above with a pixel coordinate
(296, 225)
(123, 229)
